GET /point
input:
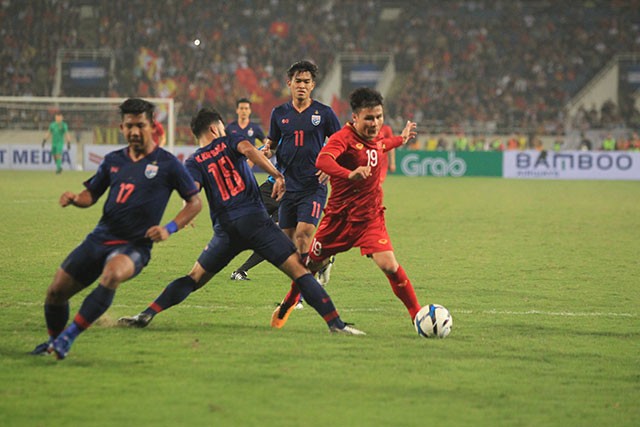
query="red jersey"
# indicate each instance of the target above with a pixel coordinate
(385, 132)
(345, 151)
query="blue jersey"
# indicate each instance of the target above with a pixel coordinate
(251, 132)
(299, 138)
(138, 193)
(227, 180)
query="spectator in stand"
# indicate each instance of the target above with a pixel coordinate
(635, 142)
(458, 63)
(609, 143)
(585, 143)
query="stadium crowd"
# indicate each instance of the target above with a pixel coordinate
(464, 65)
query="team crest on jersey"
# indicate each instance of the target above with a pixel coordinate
(315, 119)
(151, 171)
(250, 132)
(359, 146)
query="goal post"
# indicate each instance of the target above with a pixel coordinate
(84, 115)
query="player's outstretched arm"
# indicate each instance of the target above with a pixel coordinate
(82, 200)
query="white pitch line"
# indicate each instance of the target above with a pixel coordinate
(354, 310)
(545, 313)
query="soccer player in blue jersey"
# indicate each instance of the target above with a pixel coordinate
(252, 132)
(240, 222)
(140, 179)
(243, 125)
(298, 130)
(272, 205)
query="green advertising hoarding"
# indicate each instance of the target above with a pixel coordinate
(448, 163)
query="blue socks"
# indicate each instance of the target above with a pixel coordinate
(176, 292)
(315, 295)
(56, 317)
(93, 306)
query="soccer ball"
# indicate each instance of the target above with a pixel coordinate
(433, 321)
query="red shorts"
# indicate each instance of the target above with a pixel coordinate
(335, 234)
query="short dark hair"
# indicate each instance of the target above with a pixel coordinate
(302, 66)
(243, 101)
(137, 106)
(364, 97)
(201, 121)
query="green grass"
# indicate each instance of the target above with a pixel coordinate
(541, 278)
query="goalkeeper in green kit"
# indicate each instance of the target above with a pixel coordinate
(58, 132)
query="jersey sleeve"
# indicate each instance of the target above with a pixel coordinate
(183, 180)
(392, 142)
(274, 130)
(194, 170)
(259, 133)
(327, 160)
(333, 124)
(99, 182)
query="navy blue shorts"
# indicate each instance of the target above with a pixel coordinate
(302, 207)
(86, 262)
(269, 202)
(255, 231)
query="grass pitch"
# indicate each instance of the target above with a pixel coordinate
(541, 278)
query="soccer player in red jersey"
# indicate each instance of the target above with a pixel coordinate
(354, 216)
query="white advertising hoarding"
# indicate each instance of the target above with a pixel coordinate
(34, 157)
(606, 165)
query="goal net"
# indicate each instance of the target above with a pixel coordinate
(90, 120)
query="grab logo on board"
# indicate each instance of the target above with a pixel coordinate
(416, 165)
(613, 165)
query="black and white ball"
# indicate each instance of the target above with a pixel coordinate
(433, 321)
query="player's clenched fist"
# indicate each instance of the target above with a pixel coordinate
(67, 198)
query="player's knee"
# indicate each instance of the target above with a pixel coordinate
(56, 295)
(388, 266)
(61, 289)
(112, 277)
(293, 267)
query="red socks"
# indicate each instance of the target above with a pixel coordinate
(403, 289)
